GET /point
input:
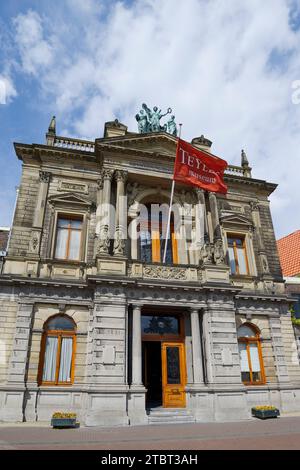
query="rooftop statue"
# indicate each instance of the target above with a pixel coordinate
(149, 121)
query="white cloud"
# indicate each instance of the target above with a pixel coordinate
(226, 69)
(36, 52)
(7, 89)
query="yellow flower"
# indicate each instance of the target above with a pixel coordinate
(62, 415)
(265, 408)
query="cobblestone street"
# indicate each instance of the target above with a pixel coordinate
(275, 434)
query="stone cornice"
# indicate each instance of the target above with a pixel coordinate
(117, 149)
(265, 297)
(136, 137)
(38, 152)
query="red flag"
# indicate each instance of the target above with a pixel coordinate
(193, 166)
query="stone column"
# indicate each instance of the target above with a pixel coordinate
(136, 346)
(35, 241)
(196, 347)
(105, 214)
(98, 212)
(207, 345)
(260, 242)
(215, 216)
(121, 214)
(201, 222)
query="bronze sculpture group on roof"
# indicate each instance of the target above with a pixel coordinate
(149, 121)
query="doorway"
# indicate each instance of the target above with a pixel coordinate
(164, 374)
(152, 373)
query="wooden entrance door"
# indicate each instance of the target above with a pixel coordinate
(173, 375)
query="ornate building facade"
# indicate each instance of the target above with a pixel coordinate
(93, 322)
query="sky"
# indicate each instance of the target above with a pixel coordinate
(229, 70)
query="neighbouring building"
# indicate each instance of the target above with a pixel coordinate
(94, 322)
(289, 255)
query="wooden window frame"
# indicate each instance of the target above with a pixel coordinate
(60, 334)
(256, 339)
(241, 237)
(69, 217)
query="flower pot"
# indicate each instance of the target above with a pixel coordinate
(63, 422)
(265, 414)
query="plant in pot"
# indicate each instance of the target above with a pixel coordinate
(265, 411)
(64, 420)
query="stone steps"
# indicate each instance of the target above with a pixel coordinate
(169, 416)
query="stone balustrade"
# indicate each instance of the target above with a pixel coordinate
(75, 144)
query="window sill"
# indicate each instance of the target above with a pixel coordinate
(65, 262)
(242, 277)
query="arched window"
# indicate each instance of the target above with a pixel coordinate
(252, 367)
(153, 227)
(57, 351)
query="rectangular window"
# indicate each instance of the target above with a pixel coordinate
(152, 242)
(68, 238)
(237, 254)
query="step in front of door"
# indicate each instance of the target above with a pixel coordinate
(169, 416)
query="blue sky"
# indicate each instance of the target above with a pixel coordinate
(226, 68)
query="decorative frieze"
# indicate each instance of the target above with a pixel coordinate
(164, 272)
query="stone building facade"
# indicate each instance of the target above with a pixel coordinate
(94, 322)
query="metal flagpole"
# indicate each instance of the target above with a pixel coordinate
(171, 203)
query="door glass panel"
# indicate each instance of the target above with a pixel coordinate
(173, 365)
(160, 325)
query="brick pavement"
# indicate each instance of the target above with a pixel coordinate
(282, 433)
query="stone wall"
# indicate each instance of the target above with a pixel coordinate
(23, 220)
(8, 312)
(270, 240)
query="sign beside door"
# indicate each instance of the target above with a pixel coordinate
(173, 375)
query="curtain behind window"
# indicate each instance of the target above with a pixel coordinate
(65, 360)
(50, 359)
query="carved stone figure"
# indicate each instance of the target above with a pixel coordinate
(207, 253)
(45, 176)
(132, 190)
(119, 243)
(103, 241)
(34, 242)
(219, 255)
(171, 126)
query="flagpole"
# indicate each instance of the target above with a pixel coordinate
(171, 203)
